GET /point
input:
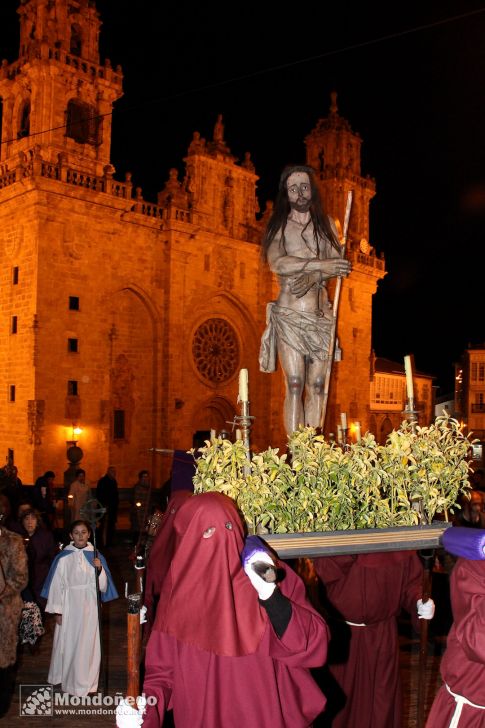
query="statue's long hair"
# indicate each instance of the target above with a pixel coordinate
(278, 220)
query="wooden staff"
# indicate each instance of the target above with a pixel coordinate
(133, 646)
(92, 512)
(331, 346)
(427, 557)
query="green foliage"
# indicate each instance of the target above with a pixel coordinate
(414, 476)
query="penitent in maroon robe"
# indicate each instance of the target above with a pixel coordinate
(160, 556)
(213, 654)
(463, 664)
(369, 591)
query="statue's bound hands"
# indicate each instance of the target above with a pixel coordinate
(300, 285)
(332, 267)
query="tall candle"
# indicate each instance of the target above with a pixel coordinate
(357, 432)
(339, 433)
(409, 377)
(213, 435)
(243, 385)
(343, 420)
(238, 434)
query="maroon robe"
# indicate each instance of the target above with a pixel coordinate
(368, 589)
(463, 664)
(160, 556)
(213, 655)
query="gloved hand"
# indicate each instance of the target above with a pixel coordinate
(264, 588)
(143, 615)
(127, 716)
(426, 610)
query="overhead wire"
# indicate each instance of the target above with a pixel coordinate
(264, 71)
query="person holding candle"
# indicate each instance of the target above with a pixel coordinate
(301, 246)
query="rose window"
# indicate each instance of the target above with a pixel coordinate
(215, 350)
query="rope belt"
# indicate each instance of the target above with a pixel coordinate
(460, 702)
(356, 624)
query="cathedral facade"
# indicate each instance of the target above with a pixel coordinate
(130, 320)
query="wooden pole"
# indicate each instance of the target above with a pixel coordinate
(427, 557)
(336, 298)
(133, 646)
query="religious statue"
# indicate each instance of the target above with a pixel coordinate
(301, 246)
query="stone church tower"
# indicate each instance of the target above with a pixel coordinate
(129, 319)
(333, 150)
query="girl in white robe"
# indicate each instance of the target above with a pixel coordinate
(70, 589)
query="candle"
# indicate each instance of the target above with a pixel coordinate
(357, 432)
(409, 377)
(213, 434)
(343, 419)
(243, 385)
(339, 433)
(126, 589)
(238, 434)
(141, 583)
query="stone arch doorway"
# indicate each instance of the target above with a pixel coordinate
(130, 415)
(213, 415)
(385, 430)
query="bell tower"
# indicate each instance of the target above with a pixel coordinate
(57, 97)
(333, 150)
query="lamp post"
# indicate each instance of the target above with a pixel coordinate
(74, 456)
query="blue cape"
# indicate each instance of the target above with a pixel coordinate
(106, 596)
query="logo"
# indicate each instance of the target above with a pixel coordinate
(36, 700)
(42, 700)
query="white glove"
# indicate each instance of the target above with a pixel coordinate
(264, 588)
(127, 716)
(143, 613)
(426, 610)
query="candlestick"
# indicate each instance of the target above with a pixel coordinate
(343, 419)
(243, 386)
(409, 377)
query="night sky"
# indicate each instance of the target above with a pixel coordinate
(410, 79)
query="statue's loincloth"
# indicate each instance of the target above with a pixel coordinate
(308, 332)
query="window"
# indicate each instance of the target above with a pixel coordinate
(74, 303)
(75, 46)
(82, 123)
(15, 275)
(478, 371)
(72, 390)
(13, 326)
(11, 393)
(118, 424)
(24, 122)
(72, 345)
